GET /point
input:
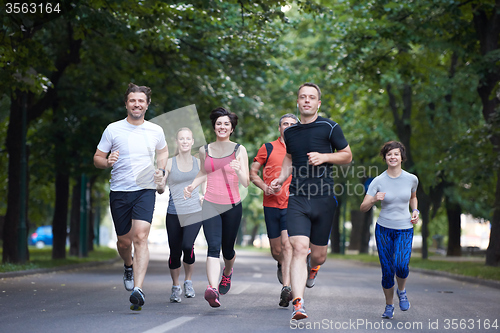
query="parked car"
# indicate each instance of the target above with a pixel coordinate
(41, 237)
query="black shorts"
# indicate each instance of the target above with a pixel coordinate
(275, 221)
(311, 217)
(128, 206)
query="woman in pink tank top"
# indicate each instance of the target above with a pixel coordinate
(224, 167)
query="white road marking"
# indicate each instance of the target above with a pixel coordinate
(239, 289)
(169, 325)
(257, 275)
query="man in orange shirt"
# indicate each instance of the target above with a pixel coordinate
(271, 155)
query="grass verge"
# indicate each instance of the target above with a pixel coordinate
(476, 269)
(42, 258)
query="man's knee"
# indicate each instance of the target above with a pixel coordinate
(275, 247)
(124, 243)
(300, 246)
(319, 259)
(286, 247)
(275, 252)
(140, 240)
(141, 232)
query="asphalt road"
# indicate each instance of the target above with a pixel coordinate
(347, 298)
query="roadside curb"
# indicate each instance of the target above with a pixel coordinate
(91, 264)
(468, 279)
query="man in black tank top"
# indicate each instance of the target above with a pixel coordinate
(313, 146)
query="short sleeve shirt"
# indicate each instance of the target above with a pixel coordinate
(322, 136)
(395, 212)
(136, 145)
(271, 171)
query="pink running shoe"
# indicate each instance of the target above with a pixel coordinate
(212, 297)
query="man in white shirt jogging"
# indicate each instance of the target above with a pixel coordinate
(128, 147)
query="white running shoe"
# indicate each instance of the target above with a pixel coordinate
(176, 294)
(128, 278)
(188, 289)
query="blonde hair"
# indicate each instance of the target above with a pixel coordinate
(177, 136)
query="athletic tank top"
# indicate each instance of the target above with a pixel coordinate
(177, 181)
(222, 181)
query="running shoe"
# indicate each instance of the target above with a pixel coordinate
(188, 289)
(299, 312)
(212, 297)
(389, 312)
(404, 303)
(285, 296)
(312, 272)
(137, 299)
(176, 294)
(225, 283)
(128, 278)
(280, 274)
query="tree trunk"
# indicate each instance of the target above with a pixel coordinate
(453, 211)
(364, 245)
(493, 251)
(335, 234)
(254, 233)
(241, 231)
(74, 231)
(357, 218)
(70, 55)
(487, 26)
(424, 205)
(90, 205)
(60, 219)
(2, 220)
(13, 144)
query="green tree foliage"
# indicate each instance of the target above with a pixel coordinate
(409, 71)
(75, 66)
(420, 72)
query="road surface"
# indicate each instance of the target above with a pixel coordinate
(347, 298)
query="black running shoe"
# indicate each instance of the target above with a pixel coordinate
(137, 299)
(285, 296)
(225, 283)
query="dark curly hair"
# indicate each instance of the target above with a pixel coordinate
(221, 112)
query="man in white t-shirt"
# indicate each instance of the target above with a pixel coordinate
(128, 146)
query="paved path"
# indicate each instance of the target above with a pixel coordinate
(347, 297)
